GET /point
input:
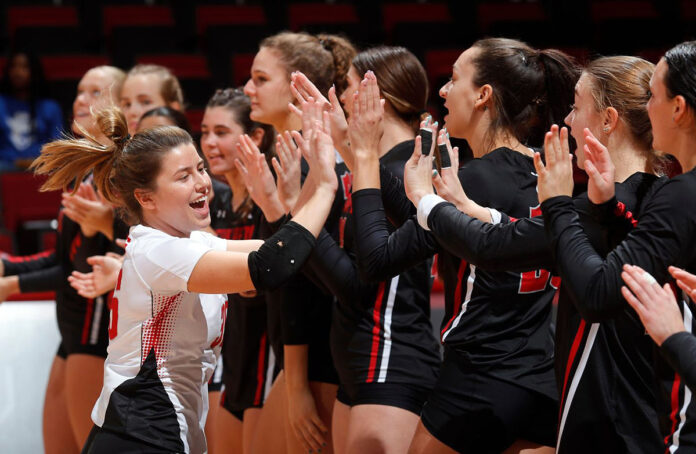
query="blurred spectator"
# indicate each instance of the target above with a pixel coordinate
(27, 118)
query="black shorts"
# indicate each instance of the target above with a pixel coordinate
(61, 351)
(248, 363)
(84, 326)
(400, 395)
(102, 441)
(475, 413)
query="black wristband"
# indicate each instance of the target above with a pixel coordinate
(280, 256)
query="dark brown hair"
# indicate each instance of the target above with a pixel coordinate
(127, 164)
(401, 79)
(239, 104)
(324, 59)
(532, 88)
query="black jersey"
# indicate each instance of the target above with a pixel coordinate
(381, 331)
(665, 234)
(496, 323)
(82, 322)
(619, 407)
(248, 361)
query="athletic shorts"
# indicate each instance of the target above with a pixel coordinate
(102, 441)
(473, 413)
(61, 352)
(401, 395)
(85, 329)
(215, 382)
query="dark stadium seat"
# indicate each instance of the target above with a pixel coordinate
(22, 201)
(526, 21)
(422, 26)
(40, 16)
(616, 22)
(241, 67)
(333, 18)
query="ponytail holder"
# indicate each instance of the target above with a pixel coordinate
(324, 43)
(524, 59)
(122, 141)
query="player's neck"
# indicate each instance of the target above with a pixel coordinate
(395, 132)
(239, 191)
(628, 157)
(684, 150)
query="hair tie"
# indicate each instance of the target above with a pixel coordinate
(122, 141)
(324, 43)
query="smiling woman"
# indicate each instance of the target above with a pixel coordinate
(168, 314)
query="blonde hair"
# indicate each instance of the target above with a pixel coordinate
(126, 164)
(118, 76)
(170, 88)
(623, 82)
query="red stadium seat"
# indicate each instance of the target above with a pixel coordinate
(38, 16)
(22, 201)
(62, 67)
(438, 63)
(302, 14)
(216, 15)
(241, 68)
(393, 14)
(195, 116)
(688, 10)
(136, 16)
(622, 9)
(184, 66)
(490, 13)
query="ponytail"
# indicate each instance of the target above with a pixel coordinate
(561, 73)
(532, 89)
(343, 53)
(126, 164)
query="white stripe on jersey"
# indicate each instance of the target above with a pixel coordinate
(217, 374)
(576, 380)
(469, 290)
(96, 320)
(386, 351)
(269, 374)
(688, 319)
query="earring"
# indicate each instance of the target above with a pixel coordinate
(606, 129)
(485, 107)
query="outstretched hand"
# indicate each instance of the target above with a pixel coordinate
(365, 127)
(556, 176)
(655, 305)
(418, 172)
(288, 170)
(100, 280)
(303, 89)
(258, 179)
(600, 170)
(86, 207)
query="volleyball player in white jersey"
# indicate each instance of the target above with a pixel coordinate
(167, 315)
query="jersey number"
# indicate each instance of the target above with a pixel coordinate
(535, 281)
(113, 307)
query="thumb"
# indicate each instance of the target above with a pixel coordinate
(439, 184)
(95, 260)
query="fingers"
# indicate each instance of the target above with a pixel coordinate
(633, 301)
(96, 260)
(539, 165)
(121, 242)
(688, 278)
(413, 160)
(294, 109)
(333, 99)
(278, 168)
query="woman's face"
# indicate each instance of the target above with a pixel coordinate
(20, 72)
(269, 89)
(139, 94)
(93, 93)
(660, 110)
(179, 203)
(353, 79)
(219, 136)
(460, 95)
(583, 114)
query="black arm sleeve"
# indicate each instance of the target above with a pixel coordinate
(680, 351)
(334, 267)
(515, 246)
(280, 256)
(381, 255)
(34, 262)
(398, 208)
(664, 236)
(48, 279)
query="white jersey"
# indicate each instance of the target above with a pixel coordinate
(164, 341)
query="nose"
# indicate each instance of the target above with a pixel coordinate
(444, 90)
(249, 88)
(203, 182)
(568, 119)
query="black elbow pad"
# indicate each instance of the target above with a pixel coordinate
(281, 256)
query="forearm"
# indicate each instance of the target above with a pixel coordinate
(49, 279)
(313, 214)
(244, 245)
(295, 367)
(680, 351)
